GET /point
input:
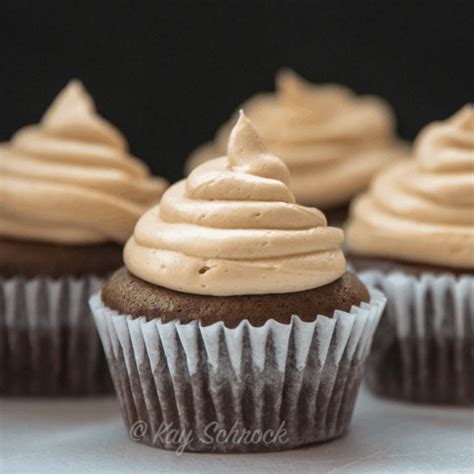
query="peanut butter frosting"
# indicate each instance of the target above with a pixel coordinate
(423, 210)
(233, 228)
(70, 179)
(332, 141)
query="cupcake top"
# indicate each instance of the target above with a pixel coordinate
(70, 179)
(332, 140)
(233, 228)
(422, 210)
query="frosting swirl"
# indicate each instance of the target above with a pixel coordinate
(70, 179)
(423, 210)
(332, 141)
(233, 228)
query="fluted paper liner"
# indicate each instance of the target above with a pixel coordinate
(299, 379)
(48, 341)
(423, 349)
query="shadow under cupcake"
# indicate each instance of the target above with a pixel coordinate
(234, 326)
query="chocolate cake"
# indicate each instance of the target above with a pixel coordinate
(70, 196)
(234, 310)
(412, 236)
(32, 258)
(127, 294)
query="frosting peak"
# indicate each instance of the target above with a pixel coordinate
(449, 145)
(236, 176)
(291, 86)
(70, 179)
(247, 153)
(232, 228)
(423, 210)
(464, 119)
(72, 115)
(332, 140)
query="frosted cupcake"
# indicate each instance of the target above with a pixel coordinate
(412, 234)
(234, 313)
(71, 195)
(332, 141)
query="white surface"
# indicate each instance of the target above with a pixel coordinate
(88, 436)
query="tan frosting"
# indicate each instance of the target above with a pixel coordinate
(332, 140)
(423, 210)
(70, 179)
(233, 228)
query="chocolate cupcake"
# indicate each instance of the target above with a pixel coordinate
(71, 195)
(332, 141)
(412, 235)
(234, 326)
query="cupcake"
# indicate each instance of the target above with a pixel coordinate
(234, 325)
(332, 141)
(71, 195)
(412, 235)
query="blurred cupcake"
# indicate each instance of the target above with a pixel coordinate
(332, 141)
(234, 323)
(71, 195)
(412, 235)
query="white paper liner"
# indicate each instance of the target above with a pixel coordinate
(49, 343)
(302, 374)
(423, 349)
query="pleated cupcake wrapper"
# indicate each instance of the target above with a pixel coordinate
(423, 349)
(48, 340)
(299, 380)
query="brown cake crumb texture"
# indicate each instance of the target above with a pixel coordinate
(30, 259)
(130, 295)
